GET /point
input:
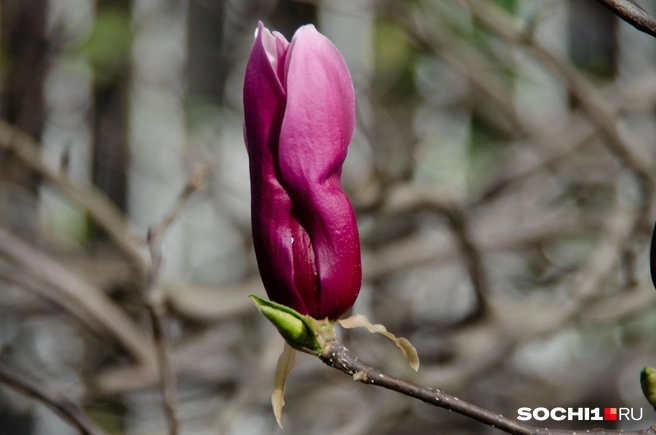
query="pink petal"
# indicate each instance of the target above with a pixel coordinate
(316, 130)
(264, 105)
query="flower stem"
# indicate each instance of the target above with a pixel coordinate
(337, 356)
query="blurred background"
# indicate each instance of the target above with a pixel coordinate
(501, 171)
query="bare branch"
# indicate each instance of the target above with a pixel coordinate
(633, 14)
(77, 296)
(592, 102)
(66, 408)
(155, 299)
(337, 356)
(414, 198)
(101, 209)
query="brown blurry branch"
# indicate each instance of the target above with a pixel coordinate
(412, 199)
(518, 324)
(195, 301)
(590, 99)
(550, 143)
(73, 293)
(429, 30)
(155, 299)
(66, 408)
(88, 303)
(337, 356)
(99, 207)
(421, 248)
(632, 13)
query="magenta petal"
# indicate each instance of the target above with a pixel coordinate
(306, 278)
(299, 113)
(264, 106)
(316, 130)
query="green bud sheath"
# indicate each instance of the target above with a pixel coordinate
(648, 384)
(294, 327)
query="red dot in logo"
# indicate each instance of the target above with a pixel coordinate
(610, 413)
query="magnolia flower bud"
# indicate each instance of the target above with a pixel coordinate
(299, 110)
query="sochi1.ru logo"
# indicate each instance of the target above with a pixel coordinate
(558, 414)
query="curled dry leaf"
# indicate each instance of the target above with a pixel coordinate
(285, 365)
(408, 349)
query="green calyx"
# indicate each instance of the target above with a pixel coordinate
(648, 384)
(297, 330)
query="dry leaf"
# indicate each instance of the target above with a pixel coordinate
(407, 348)
(285, 365)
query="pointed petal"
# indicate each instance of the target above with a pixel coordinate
(316, 130)
(264, 105)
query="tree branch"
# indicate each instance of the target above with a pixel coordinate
(633, 14)
(87, 302)
(65, 407)
(99, 207)
(412, 198)
(155, 299)
(337, 356)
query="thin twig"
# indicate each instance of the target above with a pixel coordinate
(590, 99)
(633, 14)
(592, 102)
(413, 199)
(155, 300)
(428, 30)
(66, 408)
(337, 356)
(99, 207)
(87, 302)
(460, 227)
(115, 224)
